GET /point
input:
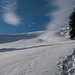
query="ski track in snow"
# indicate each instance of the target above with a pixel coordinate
(35, 63)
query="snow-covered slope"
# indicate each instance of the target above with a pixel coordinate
(16, 37)
(34, 53)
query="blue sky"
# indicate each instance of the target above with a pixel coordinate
(20, 16)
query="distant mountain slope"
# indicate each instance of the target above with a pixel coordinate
(4, 38)
(42, 36)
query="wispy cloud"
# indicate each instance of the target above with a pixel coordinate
(61, 15)
(9, 12)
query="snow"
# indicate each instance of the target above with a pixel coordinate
(35, 53)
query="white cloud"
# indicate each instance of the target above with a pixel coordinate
(61, 15)
(11, 18)
(9, 12)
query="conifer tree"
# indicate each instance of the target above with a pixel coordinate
(72, 25)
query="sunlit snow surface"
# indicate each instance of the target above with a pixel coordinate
(35, 53)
